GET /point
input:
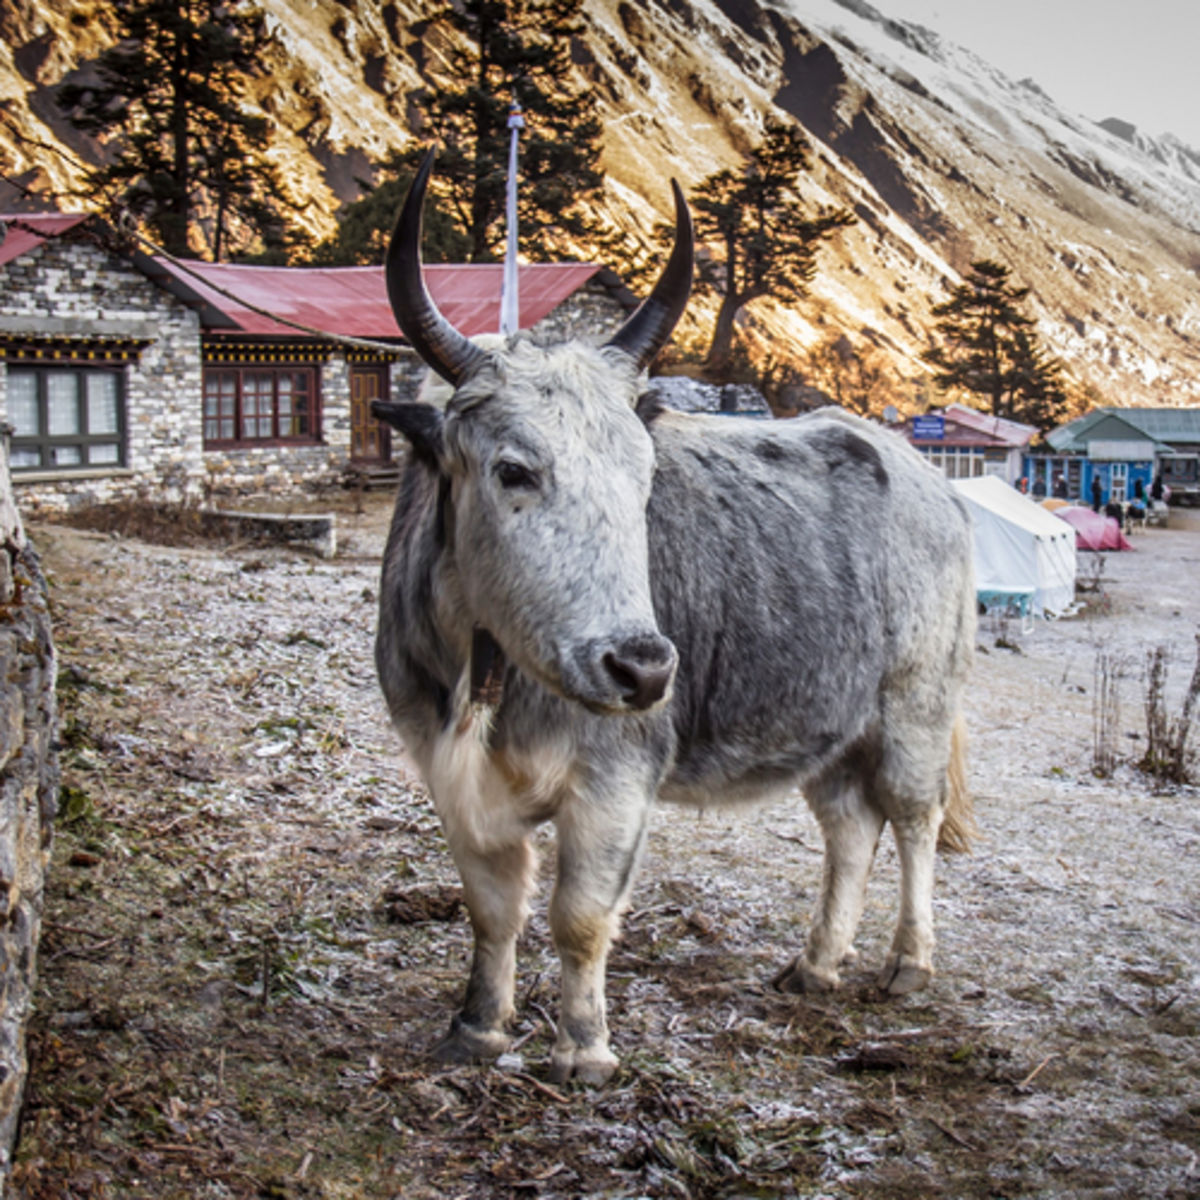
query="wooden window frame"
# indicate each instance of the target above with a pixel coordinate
(239, 372)
(45, 442)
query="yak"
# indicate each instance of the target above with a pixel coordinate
(590, 602)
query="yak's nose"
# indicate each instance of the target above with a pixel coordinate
(642, 668)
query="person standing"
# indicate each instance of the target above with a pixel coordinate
(1096, 492)
(1136, 509)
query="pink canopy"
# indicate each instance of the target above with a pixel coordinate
(1093, 530)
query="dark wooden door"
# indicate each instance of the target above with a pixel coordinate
(370, 440)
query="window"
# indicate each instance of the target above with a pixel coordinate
(966, 464)
(245, 405)
(955, 462)
(66, 418)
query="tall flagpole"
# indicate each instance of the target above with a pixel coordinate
(510, 305)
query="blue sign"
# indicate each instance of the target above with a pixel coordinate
(932, 429)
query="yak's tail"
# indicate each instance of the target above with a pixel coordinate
(958, 825)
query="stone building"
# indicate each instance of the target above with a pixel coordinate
(124, 374)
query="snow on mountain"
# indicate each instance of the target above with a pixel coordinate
(943, 158)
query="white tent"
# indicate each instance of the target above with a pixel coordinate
(1019, 546)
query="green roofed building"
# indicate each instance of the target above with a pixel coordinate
(1121, 447)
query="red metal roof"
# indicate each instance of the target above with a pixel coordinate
(969, 427)
(349, 301)
(1003, 429)
(27, 231)
(958, 435)
(352, 301)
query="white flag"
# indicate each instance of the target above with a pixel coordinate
(510, 305)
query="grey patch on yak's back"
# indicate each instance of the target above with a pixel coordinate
(845, 448)
(770, 451)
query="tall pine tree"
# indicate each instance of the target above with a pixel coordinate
(990, 349)
(496, 52)
(767, 237)
(182, 153)
(1038, 395)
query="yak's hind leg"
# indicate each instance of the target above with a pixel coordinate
(913, 789)
(599, 843)
(909, 964)
(851, 825)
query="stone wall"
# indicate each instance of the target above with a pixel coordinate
(28, 796)
(593, 313)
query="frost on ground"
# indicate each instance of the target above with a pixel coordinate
(254, 933)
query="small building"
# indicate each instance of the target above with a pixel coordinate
(126, 374)
(964, 443)
(1122, 447)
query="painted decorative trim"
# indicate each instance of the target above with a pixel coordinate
(17, 350)
(213, 351)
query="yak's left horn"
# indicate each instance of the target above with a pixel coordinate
(647, 331)
(429, 333)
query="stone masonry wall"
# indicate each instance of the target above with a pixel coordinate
(28, 796)
(592, 314)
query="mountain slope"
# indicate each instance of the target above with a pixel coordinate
(943, 158)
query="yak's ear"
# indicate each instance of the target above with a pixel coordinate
(420, 423)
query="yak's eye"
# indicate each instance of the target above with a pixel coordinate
(513, 475)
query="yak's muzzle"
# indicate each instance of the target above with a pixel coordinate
(642, 669)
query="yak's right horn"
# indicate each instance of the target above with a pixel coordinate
(438, 343)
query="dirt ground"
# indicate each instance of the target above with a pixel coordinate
(253, 932)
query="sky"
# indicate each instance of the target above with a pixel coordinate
(1134, 59)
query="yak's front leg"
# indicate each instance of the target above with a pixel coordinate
(496, 885)
(599, 843)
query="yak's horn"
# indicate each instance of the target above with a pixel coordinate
(429, 333)
(647, 331)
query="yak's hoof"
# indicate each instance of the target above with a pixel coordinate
(902, 975)
(800, 979)
(850, 958)
(463, 1044)
(592, 1067)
